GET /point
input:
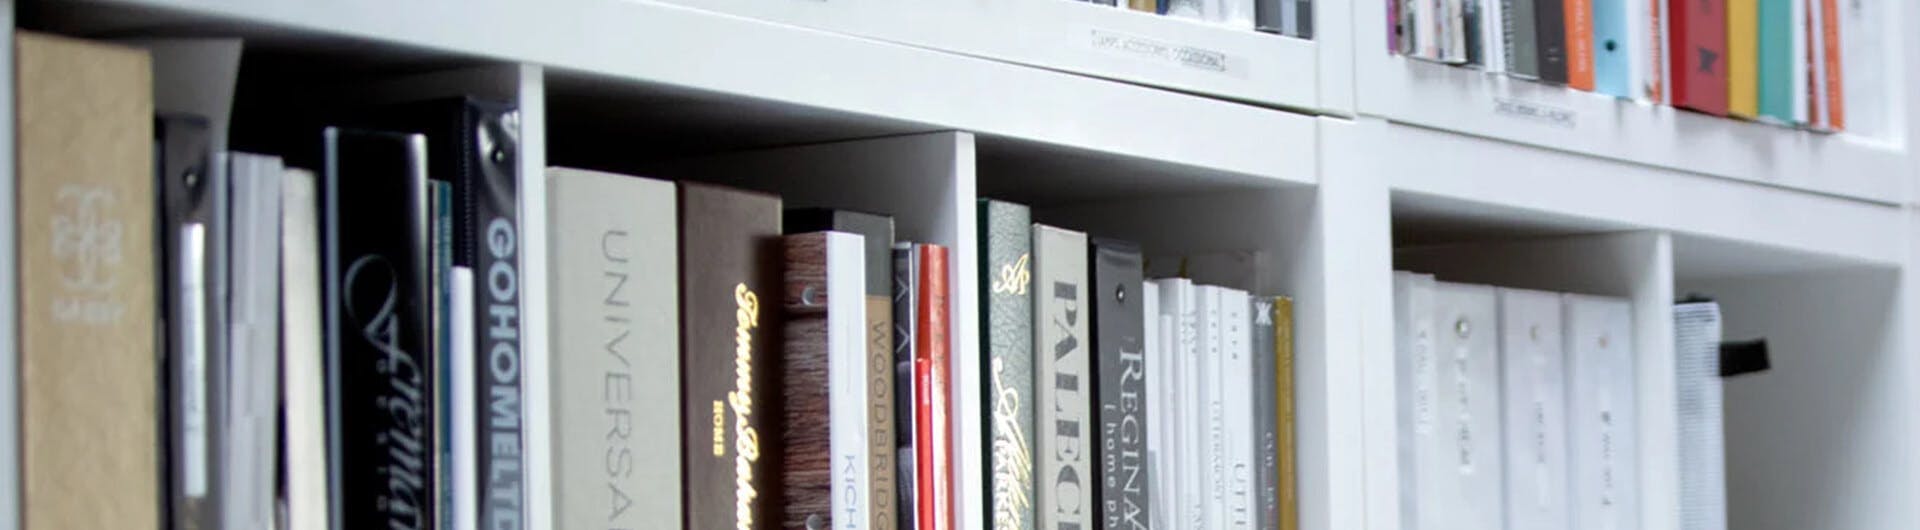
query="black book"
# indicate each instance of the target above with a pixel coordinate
(379, 376)
(1120, 384)
(905, 290)
(1266, 414)
(473, 145)
(193, 201)
(1550, 32)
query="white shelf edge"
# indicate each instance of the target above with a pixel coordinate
(1473, 102)
(1636, 196)
(1079, 37)
(655, 42)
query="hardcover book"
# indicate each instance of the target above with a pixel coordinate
(1833, 104)
(1776, 60)
(877, 231)
(1614, 48)
(729, 271)
(1119, 380)
(1006, 307)
(303, 392)
(379, 371)
(1417, 374)
(615, 324)
(1469, 406)
(1550, 34)
(1534, 377)
(933, 422)
(1236, 407)
(1579, 45)
(1602, 426)
(1266, 415)
(824, 374)
(906, 304)
(1289, 450)
(1699, 47)
(473, 145)
(1743, 58)
(1062, 378)
(1523, 44)
(88, 296)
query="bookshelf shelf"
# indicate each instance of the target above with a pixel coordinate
(1865, 163)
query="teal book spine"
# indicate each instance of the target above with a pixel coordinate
(1776, 60)
(1612, 66)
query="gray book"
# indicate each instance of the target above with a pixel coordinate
(1523, 52)
(1006, 314)
(615, 342)
(1062, 379)
(1266, 415)
(1120, 363)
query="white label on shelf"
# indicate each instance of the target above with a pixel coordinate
(1531, 111)
(1145, 48)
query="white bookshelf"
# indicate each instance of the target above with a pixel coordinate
(926, 106)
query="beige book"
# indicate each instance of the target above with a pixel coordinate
(89, 444)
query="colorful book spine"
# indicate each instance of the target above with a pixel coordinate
(1776, 62)
(1743, 58)
(1699, 47)
(933, 390)
(1614, 48)
(1062, 379)
(1006, 263)
(1283, 390)
(729, 284)
(1122, 420)
(824, 376)
(1834, 104)
(1578, 16)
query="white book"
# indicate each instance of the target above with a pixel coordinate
(1161, 462)
(301, 359)
(1179, 303)
(1417, 373)
(465, 426)
(1802, 64)
(1603, 430)
(1469, 406)
(1817, 108)
(1493, 45)
(1864, 70)
(1237, 14)
(1454, 25)
(1213, 448)
(1189, 9)
(1662, 41)
(848, 399)
(253, 357)
(1698, 402)
(1236, 399)
(1533, 370)
(1637, 39)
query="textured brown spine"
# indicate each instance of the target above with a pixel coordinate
(730, 253)
(88, 428)
(807, 472)
(1289, 460)
(880, 385)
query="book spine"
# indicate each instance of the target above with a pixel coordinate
(441, 313)
(1700, 56)
(1160, 461)
(1550, 32)
(906, 282)
(932, 351)
(1213, 421)
(88, 380)
(729, 261)
(1776, 60)
(1417, 370)
(1524, 60)
(1603, 460)
(1472, 25)
(824, 371)
(1534, 376)
(1065, 490)
(1743, 58)
(1006, 239)
(1614, 48)
(1659, 67)
(1271, 16)
(488, 242)
(1578, 15)
(1835, 100)
(1303, 19)
(1698, 400)
(614, 313)
(301, 363)
(1802, 60)
(1120, 382)
(1469, 408)
(379, 367)
(1266, 415)
(1493, 33)
(1289, 450)
(1236, 405)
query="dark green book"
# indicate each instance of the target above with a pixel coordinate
(1006, 309)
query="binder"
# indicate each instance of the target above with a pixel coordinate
(1602, 416)
(1468, 412)
(1533, 373)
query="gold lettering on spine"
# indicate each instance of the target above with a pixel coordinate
(747, 439)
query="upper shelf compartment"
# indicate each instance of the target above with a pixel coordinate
(1078, 37)
(757, 68)
(1866, 162)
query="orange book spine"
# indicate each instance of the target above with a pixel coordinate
(1578, 15)
(1656, 40)
(1830, 41)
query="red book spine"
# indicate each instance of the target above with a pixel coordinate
(932, 352)
(1830, 44)
(1699, 55)
(926, 510)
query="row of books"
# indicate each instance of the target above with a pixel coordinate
(1293, 18)
(255, 345)
(1775, 61)
(1517, 408)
